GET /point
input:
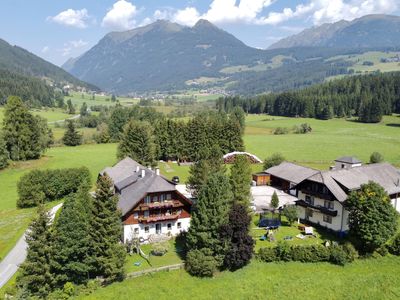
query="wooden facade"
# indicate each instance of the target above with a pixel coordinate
(262, 178)
(158, 207)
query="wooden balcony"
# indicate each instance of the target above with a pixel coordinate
(320, 208)
(152, 219)
(159, 205)
(317, 194)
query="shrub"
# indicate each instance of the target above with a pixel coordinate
(283, 251)
(201, 264)
(312, 253)
(302, 129)
(267, 254)
(382, 251)
(351, 252)
(274, 160)
(394, 247)
(281, 130)
(39, 186)
(337, 255)
(291, 214)
(376, 157)
(159, 249)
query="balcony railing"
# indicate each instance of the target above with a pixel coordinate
(161, 218)
(158, 205)
(321, 208)
(317, 194)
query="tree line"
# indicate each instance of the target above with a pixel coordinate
(34, 91)
(367, 96)
(81, 246)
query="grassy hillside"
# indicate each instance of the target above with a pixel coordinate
(364, 279)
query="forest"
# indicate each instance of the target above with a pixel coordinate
(368, 97)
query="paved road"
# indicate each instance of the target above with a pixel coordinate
(9, 265)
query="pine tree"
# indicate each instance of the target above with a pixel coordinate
(71, 136)
(106, 252)
(70, 260)
(4, 156)
(70, 107)
(239, 116)
(274, 201)
(84, 110)
(210, 215)
(23, 133)
(241, 244)
(137, 142)
(240, 180)
(35, 276)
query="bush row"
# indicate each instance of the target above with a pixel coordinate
(40, 186)
(336, 254)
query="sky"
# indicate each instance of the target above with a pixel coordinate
(57, 30)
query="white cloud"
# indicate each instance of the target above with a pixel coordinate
(45, 49)
(327, 11)
(72, 46)
(72, 18)
(188, 16)
(120, 16)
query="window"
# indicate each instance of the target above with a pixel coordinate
(328, 204)
(179, 225)
(146, 229)
(169, 226)
(155, 198)
(309, 213)
(136, 231)
(147, 199)
(310, 200)
(146, 213)
(162, 197)
(135, 215)
(328, 219)
(168, 196)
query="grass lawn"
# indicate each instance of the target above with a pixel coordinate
(364, 279)
(170, 258)
(13, 222)
(77, 100)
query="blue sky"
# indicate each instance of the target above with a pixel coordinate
(58, 29)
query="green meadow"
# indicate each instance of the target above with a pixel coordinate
(363, 279)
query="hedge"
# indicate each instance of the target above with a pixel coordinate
(40, 186)
(336, 254)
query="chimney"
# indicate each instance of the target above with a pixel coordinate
(143, 173)
(137, 168)
(157, 171)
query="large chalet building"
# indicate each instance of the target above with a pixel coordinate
(322, 194)
(150, 203)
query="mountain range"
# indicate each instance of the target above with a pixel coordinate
(20, 61)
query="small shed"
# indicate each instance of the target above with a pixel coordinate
(262, 178)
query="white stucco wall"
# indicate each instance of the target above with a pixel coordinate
(396, 204)
(129, 230)
(318, 217)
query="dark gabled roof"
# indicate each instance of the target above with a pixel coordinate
(337, 181)
(349, 160)
(131, 187)
(291, 172)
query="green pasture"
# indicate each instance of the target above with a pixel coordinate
(328, 140)
(51, 114)
(363, 279)
(78, 100)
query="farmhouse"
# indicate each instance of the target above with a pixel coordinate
(322, 195)
(150, 204)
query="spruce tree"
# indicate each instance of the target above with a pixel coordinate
(240, 180)
(84, 110)
(35, 277)
(23, 133)
(4, 156)
(71, 136)
(70, 260)
(210, 215)
(106, 252)
(240, 243)
(274, 201)
(70, 107)
(137, 142)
